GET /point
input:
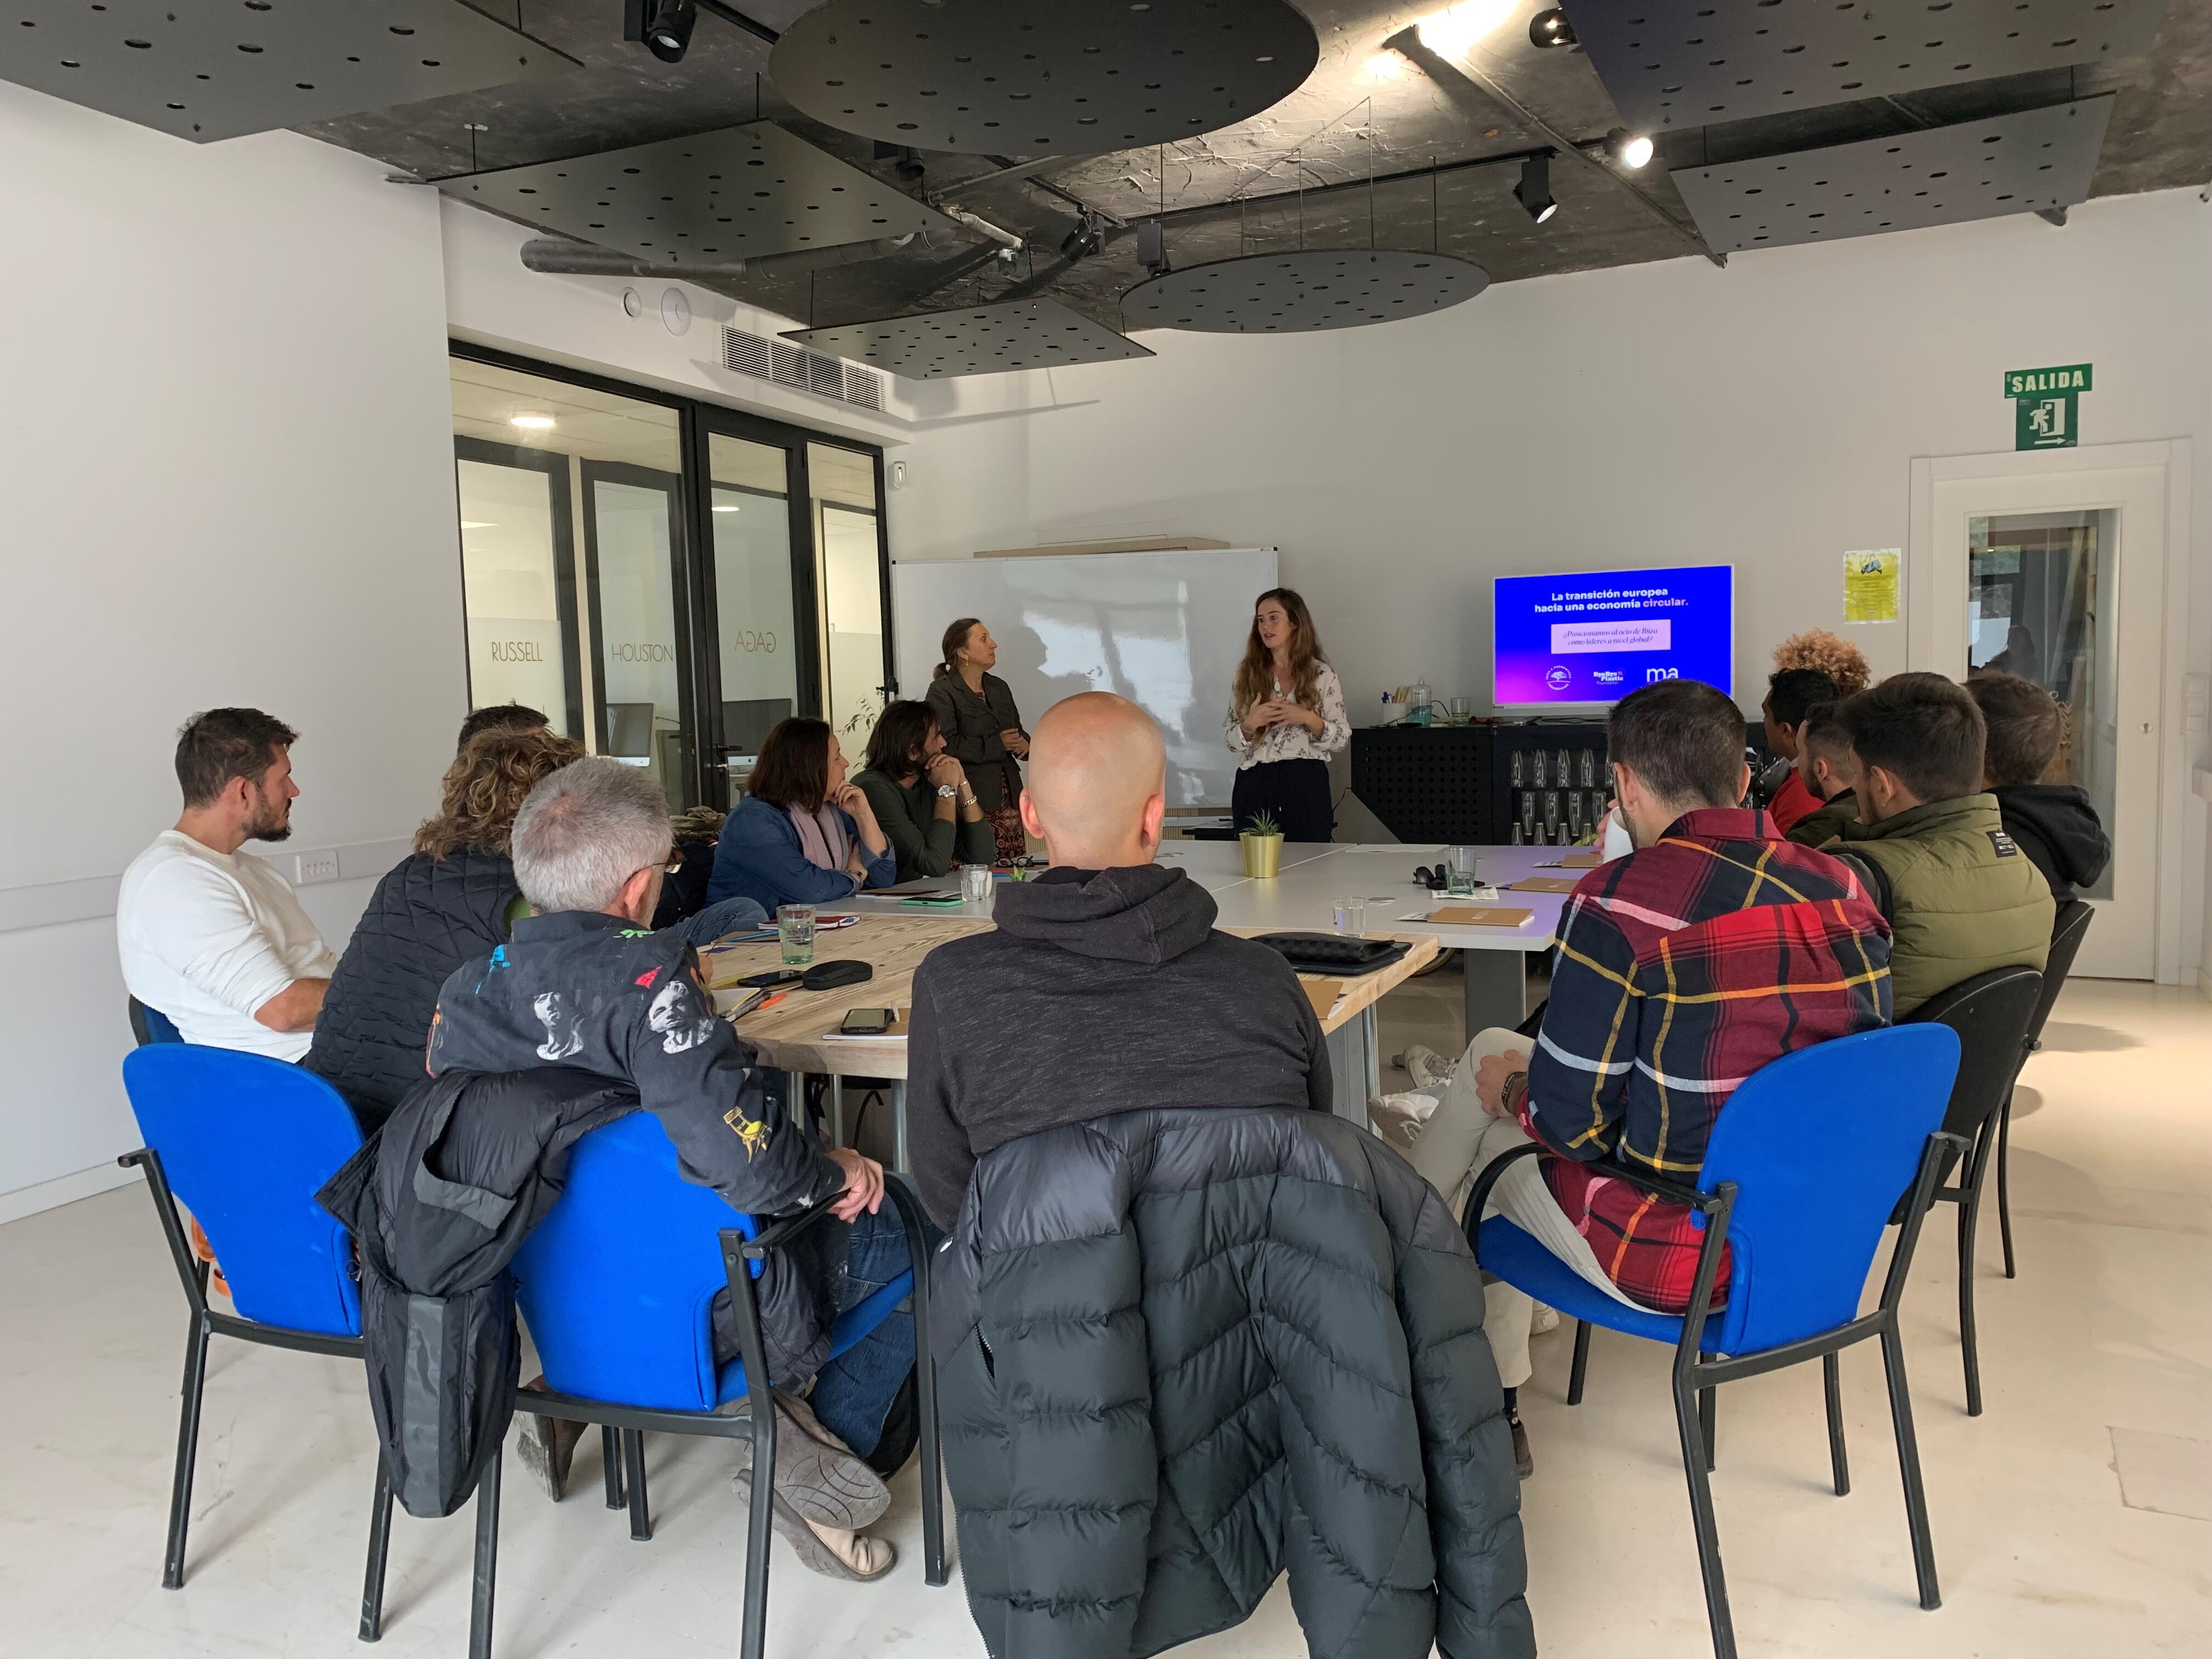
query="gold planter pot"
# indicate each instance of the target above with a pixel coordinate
(1263, 855)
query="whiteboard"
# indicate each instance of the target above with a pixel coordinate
(1165, 630)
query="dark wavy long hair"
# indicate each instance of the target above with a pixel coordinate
(485, 785)
(902, 735)
(1256, 675)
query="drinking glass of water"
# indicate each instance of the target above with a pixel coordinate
(1459, 879)
(794, 926)
(975, 882)
(1352, 915)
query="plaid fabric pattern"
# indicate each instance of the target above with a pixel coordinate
(1682, 969)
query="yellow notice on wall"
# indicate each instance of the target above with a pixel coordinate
(1870, 585)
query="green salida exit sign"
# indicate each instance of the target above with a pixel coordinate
(2045, 412)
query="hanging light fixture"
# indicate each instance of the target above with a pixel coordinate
(1551, 28)
(1631, 149)
(665, 26)
(1533, 193)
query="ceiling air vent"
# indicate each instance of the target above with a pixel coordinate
(802, 370)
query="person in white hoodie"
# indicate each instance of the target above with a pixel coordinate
(211, 935)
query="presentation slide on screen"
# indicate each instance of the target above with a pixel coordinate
(1597, 637)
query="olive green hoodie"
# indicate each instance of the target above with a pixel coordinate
(1960, 896)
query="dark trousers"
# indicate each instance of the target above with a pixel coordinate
(1294, 792)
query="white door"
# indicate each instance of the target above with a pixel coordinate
(2058, 572)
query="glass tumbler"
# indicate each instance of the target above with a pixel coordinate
(975, 882)
(1352, 915)
(794, 926)
(1460, 879)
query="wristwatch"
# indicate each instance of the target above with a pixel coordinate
(946, 791)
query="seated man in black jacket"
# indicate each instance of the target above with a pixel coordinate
(1105, 987)
(585, 983)
(2056, 824)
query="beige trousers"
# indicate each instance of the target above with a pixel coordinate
(1456, 1145)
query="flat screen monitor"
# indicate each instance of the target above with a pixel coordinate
(747, 722)
(1593, 637)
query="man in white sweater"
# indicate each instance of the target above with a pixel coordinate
(214, 937)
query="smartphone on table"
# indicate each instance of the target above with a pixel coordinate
(868, 1022)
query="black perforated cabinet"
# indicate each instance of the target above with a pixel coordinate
(1494, 785)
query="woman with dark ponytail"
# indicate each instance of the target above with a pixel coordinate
(983, 729)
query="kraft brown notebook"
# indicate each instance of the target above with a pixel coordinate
(1544, 884)
(1467, 915)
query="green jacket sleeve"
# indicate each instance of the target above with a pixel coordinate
(924, 848)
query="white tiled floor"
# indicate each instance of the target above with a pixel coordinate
(2067, 1519)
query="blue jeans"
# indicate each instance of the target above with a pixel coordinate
(731, 915)
(853, 1393)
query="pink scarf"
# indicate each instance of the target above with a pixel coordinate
(822, 838)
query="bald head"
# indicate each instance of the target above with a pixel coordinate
(1097, 782)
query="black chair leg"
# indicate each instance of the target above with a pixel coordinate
(1709, 1421)
(1580, 1370)
(1970, 1208)
(611, 1460)
(1832, 1379)
(487, 1564)
(379, 1546)
(1908, 1463)
(934, 1570)
(641, 1516)
(2004, 1183)
(1688, 1407)
(188, 1442)
(752, 1640)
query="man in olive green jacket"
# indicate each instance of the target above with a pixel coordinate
(1960, 896)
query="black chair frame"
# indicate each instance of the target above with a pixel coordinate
(1698, 1374)
(632, 1423)
(2073, 924)
(207, 1322)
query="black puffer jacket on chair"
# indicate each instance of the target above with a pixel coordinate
(1185, 1350)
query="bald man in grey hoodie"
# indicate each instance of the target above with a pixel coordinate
(1105, 987)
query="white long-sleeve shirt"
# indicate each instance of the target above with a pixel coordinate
(208, 937)
(1290, 741)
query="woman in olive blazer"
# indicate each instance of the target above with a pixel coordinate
(983, 729)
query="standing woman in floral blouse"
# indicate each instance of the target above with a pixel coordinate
(1287, 717)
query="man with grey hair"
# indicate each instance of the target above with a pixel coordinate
(585, 983)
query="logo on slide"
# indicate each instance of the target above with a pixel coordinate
(1653, 675)
(1559, 677)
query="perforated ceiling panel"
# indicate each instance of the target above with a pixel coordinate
(1292, 293)
(1669, 63)
(214, 68)
(981, 340)
(2022, 163)
(736, 194)
(1072, 77)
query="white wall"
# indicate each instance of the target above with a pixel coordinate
(1763, 415)
(227, 469)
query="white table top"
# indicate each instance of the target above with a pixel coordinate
(1313, 875)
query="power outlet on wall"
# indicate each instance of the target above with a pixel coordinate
(317, 866)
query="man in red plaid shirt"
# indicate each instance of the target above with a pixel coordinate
(1683, 967)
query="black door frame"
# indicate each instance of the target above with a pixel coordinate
(555, 467)
(698, 620)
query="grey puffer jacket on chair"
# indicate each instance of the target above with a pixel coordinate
(1184, 1350)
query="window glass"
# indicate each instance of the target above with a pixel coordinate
(849, 585)
(754, 626)
(518, 582)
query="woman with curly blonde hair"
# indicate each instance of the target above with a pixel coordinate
(1827, 654)
(454, 900)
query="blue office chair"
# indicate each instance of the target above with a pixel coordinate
(245, 1142)
(1803, 1169)
(150, 1024)
(616, 1286)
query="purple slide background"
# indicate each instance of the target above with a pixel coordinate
(1697, 601)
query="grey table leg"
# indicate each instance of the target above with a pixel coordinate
(836, 1109)
(898, 1125)
(1497, 988)
(1353, 1067)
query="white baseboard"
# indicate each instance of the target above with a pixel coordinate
(65, 1189)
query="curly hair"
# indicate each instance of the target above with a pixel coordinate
(485, 786)
(1828, 653)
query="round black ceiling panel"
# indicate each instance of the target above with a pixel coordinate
(1296, 293)
(1041, 77)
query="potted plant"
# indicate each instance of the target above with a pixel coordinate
(1263, 846)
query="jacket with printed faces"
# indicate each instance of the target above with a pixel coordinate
(596, 994)
(1961, 897)
(1186, 1350)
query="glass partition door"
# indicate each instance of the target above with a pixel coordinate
(851, 585)
(754, 622)
(517, 580)
(634, 543)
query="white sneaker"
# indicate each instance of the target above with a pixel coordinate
(1430, 1070)
(1401, 1117)
(1544, 1319)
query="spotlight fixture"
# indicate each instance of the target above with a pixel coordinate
(1631, 149)
(1551, 28)
(665, 26)
(1087, 239)
(531, 422)
(1152, 246)
(1533, 193)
